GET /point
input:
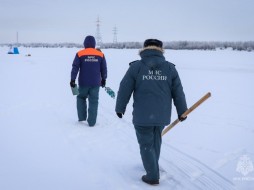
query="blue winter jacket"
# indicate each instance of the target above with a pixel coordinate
(154, 83)
(91, 65)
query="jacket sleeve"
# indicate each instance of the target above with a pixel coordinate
(125, 91)
(104, 71)
(178, 93)
(75, 67)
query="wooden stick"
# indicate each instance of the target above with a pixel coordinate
(204, 98)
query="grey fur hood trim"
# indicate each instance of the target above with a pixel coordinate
(151, 48)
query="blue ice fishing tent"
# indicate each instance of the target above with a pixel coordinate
(13, 50)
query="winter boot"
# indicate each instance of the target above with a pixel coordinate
(150, 182)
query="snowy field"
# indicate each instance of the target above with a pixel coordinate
(43, 147)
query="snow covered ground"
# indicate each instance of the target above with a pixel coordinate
(43, 147)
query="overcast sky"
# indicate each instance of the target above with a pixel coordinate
(168, 20)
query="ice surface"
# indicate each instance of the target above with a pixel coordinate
(43, 146)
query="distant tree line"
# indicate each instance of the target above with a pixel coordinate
(175, 45)
(186, 45)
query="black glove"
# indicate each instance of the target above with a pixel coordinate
(120, 115)
(72, 83)
(181, 118)
(103, 83)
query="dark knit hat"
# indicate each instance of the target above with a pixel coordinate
(89, 42)
(153, 42)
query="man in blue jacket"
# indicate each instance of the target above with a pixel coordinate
(91, 65)
(154, 83)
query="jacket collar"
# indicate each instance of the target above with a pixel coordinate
(151, 48)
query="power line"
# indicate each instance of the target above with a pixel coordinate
(98, 33)
(115, 35)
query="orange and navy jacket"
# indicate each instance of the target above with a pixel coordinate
(91, 65)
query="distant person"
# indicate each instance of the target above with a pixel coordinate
(91, 65)
(154, 83)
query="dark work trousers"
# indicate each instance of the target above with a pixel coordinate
(92, 93)
(149, 139)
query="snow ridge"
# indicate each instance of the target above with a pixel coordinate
(194, 173)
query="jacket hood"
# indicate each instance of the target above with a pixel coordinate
(89, 42)
(152, 56)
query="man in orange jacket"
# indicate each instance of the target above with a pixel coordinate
(91, 66)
